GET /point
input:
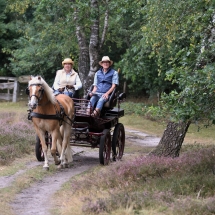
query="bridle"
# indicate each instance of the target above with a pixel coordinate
(59, 114)
(41, 90)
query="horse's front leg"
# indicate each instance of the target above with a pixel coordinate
(41, 135)
(56, 139)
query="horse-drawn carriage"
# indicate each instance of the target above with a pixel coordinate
(103, 132)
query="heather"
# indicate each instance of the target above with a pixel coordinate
(16, 136)
(184, 185)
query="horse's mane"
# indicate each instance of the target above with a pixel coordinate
(48, 90)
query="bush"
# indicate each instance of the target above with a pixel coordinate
(16, 136)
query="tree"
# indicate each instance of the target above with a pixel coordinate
(186, 29)
(4, 36)
(53, 30)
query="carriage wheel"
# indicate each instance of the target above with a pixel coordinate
(38, 150)
(118, 141)
(105, 147)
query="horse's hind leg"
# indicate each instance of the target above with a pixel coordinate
(68, 156)
(66, 153)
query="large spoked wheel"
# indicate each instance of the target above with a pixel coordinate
(105, 147)
(118, 141)
(38, 150)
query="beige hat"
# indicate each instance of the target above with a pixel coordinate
(105, 58)
(67, 60)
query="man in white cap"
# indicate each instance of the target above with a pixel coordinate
(105, 80)
(67, 80)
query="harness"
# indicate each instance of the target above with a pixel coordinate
(58, 116)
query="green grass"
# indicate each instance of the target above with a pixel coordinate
(147, 185)
(139, 184)
(17, 135)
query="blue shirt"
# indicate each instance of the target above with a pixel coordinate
(115, 79)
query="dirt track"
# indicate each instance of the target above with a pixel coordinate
(35, 200)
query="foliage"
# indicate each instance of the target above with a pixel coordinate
(43, 43)
(16, 136)
(144, 182)
(49, 31)
(3, 29)
(160, 46)
(2, 17)
(134, 108)
(176, 47)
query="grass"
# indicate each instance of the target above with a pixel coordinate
(16, 135)
(205, 136)
(146, 185)
(139, 184)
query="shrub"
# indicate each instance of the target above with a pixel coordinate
(16, 136)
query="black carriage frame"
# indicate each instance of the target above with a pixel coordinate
(103, 132)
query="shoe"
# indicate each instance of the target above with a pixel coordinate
(96, 113)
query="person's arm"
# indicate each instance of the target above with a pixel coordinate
(56, 81)
(109, 91)
(78, 84)
(93, 91)
(94, 85)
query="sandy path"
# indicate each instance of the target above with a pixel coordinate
(35, 199)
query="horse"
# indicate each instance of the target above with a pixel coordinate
(52, 114)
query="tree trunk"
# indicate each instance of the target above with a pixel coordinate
(93, 45)
(172, 139)
(83, 61)
(90, 46)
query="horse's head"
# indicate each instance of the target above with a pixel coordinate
(35, 91)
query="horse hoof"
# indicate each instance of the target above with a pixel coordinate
(57, 162)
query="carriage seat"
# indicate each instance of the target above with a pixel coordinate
(112, 101)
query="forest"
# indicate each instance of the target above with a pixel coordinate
(162, 48)
(164, 51)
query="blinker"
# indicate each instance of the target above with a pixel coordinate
(27, 91)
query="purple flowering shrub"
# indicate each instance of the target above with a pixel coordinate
(147, 181)
(16, 136)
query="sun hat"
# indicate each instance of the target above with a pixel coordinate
(105, 58)
(67, 60)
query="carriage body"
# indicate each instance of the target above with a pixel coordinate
(104, 132)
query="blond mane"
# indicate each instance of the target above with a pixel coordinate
(49, 92)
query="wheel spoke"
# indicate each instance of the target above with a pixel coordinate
(105, 147)
(118, 142)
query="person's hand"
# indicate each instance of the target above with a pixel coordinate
(91, 94)
(105, 96)
(61, 89)
(69, 86)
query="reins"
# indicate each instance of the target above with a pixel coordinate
(58, 116)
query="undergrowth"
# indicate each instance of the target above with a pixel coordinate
(184, 185)
(16, 136)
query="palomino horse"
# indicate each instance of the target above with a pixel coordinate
(52, 114)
